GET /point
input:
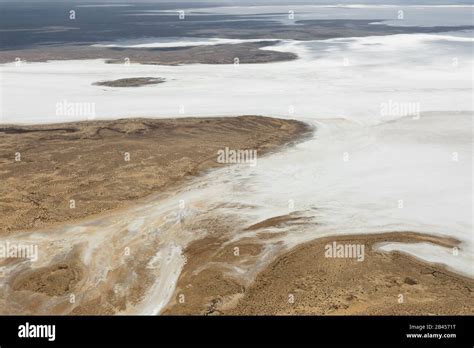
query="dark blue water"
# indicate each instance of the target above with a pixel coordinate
(27, 24)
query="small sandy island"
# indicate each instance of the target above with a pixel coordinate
(131, 82)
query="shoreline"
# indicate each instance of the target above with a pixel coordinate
(140, 213)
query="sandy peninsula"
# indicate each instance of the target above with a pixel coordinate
(58, 173)
(303, 281)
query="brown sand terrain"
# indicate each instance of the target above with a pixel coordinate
(218, 54)
(87, 162)
(303, 281)
(58, 173)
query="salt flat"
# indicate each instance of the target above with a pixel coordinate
(338, 85)
(364, 171)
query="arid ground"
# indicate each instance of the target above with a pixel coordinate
(305, 282)
(105, 166)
